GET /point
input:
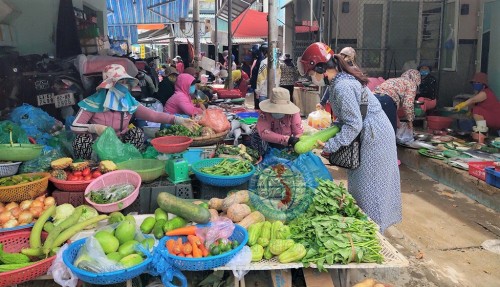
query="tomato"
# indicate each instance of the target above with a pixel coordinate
(71, 177)
(77, 173)
(87, 177)
(96, 174)
(86, 171)
(79, 177)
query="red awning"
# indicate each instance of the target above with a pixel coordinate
(253, 24)
(306, 29)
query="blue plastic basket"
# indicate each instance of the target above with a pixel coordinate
(219, 180)
(248, 115)
(492, 177)
(105, 278)
(207, 263)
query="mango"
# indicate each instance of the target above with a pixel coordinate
(114, 256)
(130, 218)
(116, 217)
(131, 260)
(108, 242)
(125, 231)
(127, 248)
(148, 243)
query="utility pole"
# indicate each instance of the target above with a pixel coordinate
(196, 31)
(216, 42)
(272, 61)
(230, 44)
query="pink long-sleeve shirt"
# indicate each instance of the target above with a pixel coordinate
(114, 119)
(180, 102)
(279, 131)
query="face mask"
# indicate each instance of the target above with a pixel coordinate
(424, 73)
(319, 83)
(192, 90)
(477, 86)
(277, 115)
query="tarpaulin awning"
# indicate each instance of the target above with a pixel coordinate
(250, 23)
(125, 15)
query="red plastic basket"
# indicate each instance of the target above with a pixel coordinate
(64, 185)
(13, 242)
(228, 94)
(438, 123)
(171, 144)
(476, 168)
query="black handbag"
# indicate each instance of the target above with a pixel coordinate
(349, 156)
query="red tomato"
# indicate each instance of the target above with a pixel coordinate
(96, 174)
(79, 177)
(87, 177)
(71, 177)
(86, 171)
(77, 173)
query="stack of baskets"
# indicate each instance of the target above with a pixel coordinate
(9, 168)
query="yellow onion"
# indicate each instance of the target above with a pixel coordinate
(11, 205)
(25, 205)
(49, 201)
(2, 208)
(36, 211)
(5, 216)
(15, 212)
(11, 223)
(41, 198)
(37, 203)
(25, 217)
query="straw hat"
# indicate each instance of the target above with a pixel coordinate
(279, 103)
(114, 73)
(480, 78)
(348, 51)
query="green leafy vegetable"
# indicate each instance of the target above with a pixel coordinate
(179, 130)
(112, 193)
(228, 167)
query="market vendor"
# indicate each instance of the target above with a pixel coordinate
(279, 124)
(113, 106)
(166, 88)
(181, 102)
(427, 91)
(241, 80)
(485, 105)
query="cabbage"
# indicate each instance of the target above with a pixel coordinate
(88, 213)
(63, 211)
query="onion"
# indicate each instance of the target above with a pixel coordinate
(36, 211)
(25, 217)
(25, 204)
(15, 212)
(37, 203)
(41, 198)
(10, 223)
(1, 204)
(49, 201)
(11, 205)
(2, 208)
(5, 216)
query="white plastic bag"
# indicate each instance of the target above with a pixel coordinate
(492, 245)
(62, 275)
(240, 262)
(92, 258)
(404, 134)
(319, 119)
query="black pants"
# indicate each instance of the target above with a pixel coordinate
(290, 89)
(390, 109)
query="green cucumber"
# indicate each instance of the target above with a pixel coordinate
(158, 229)
(183, 208)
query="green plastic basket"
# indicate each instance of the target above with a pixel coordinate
(148, 169)
(19, 152)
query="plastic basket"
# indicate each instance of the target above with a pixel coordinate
(110, 178)
(65, 185)
(8, 169)
(228, 94)
(476, 168)
(219, 180)
(438, 123)
(492, 177)
(13, 242)
(105, 278)
(198, 264)
(171, 144)
(25, 191)
(20, 152)
(148, 169)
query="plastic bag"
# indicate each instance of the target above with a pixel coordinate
(222, 228)
(404, 134)
(240, 262)
(150, 153)
(60, 272)
(92, 258)
(315, 167)
(41, 163)
(109, 147)
(30, 116)
(64, 142)
(18, 134)
(492, 245)
(319, 119)
(215, 119)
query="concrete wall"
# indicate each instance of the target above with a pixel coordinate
(494, 55)
(35, 28)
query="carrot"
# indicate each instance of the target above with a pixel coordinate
(189, 256)
(170, 246)
(194, 240)
(187, 230)
(188, 248)
(178, 246)
(181, 255)
(204, 250)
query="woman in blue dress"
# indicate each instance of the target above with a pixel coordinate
(375, 184)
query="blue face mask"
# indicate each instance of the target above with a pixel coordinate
(477, 86)
(277, 115)
(192, 90)
(424, 73)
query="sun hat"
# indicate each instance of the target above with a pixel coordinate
(171, 70)
(279, 103)
(114, 73)
(348, 51)
(480, 78)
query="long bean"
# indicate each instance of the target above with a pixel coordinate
(227, 168)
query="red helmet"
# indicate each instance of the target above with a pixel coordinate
(314, 54)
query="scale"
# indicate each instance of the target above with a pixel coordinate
(177, 168)
(172, 149)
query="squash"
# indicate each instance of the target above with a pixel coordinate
(254, 217)
(308, 143)
(254, 232)
(215, 203)
(293, 254)
(241, 196)
(183, 208)
(237, 212)
(214, 214)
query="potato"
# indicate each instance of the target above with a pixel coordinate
(369, 282)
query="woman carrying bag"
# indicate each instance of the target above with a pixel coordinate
(375, 182)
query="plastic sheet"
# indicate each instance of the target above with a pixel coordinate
(109, 147)
(30, 116)
(240, 262)
(41, 163)
(404, 134)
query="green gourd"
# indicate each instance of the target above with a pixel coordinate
(308, 143)
(183, 208)
(293, 254)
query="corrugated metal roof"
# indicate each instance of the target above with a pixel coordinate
(237, 8)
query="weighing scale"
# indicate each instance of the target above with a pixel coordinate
(177, 168)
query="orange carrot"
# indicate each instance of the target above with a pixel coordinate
(197, 252)
(194, 240)
(170, 246)
(204, 250)
(178, 246)
(181, 255)
(187, 230)
(189, 256)
(188, 248)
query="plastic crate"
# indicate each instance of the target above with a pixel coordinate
(75, 198)
(492, 177)
(208, 151)
(476, 168)
(206, 192)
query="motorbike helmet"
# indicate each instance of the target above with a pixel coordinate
(264, 48)
(315, 54)
(255, 50)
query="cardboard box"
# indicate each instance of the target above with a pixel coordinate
(314, 278)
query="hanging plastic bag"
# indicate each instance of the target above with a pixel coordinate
(41, 163)
(449, 44)
(109, 147)
(60, 272)
(18, 134)
(27, 115)
(240, 262)
(215, 119)
(319, 119)
(222, 228)
(404, 134)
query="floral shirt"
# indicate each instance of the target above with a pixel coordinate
(402, 91)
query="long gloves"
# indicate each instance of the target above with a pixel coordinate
(188, 123)
(460, 106)
(292, 141)
(97, 129)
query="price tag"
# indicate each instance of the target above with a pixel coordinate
(45, 99)
(64, 100)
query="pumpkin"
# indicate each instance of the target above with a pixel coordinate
(237, 212)
(254, 217)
